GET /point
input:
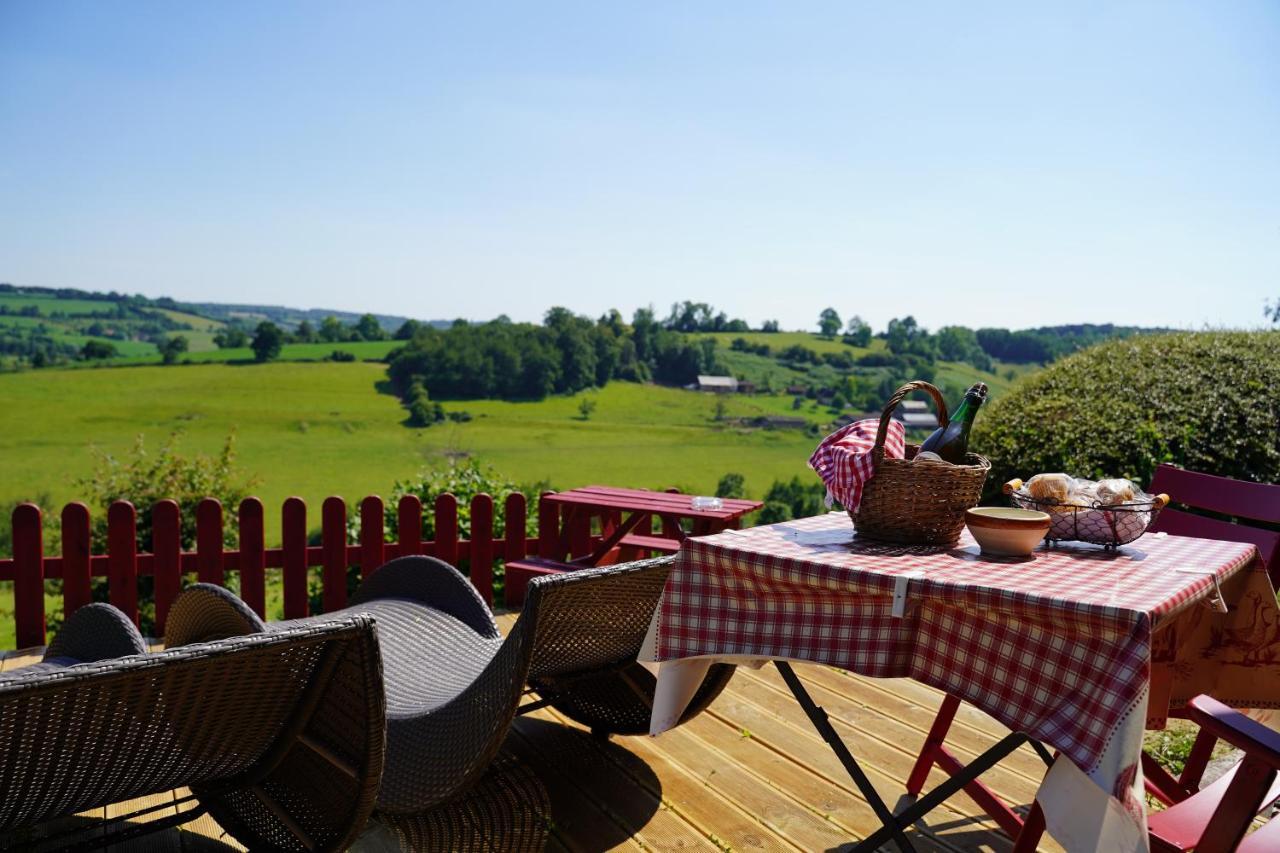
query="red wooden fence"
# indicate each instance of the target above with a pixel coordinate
(123, 564)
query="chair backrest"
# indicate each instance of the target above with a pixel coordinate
(591, 619)
(78, 737)
(1236, 498)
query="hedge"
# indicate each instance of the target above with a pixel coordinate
(1207, 401)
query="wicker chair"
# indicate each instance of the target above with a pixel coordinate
(279, 736)
(454, 684)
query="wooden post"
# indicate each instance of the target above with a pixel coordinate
(409, 525)
(28, 576)
(293, 536)
(122, 558)
(253, 557)
(371, 536)
(482, 546)
(333, 526)
(209, 542)
(515, 519)
(77, 548)
(548, 529)
(447, 529)
(166, 545)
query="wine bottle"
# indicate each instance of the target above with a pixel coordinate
(952, 442)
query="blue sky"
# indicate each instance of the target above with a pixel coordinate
(987, 164)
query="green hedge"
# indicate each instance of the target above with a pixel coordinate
(1208, 401)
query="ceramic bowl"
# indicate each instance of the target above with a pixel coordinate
(1007, 532)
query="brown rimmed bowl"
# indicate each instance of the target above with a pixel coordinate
(1006, 532)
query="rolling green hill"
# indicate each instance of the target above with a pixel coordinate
(319, 429)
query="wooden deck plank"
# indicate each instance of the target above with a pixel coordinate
(704, 765)
(163, 841)
(793, 781)
(783, 727)
(593, 804)
(889, 698)
(890, 732)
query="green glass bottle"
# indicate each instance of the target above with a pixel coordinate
(952, 442)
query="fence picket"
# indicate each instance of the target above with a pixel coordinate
(333, 529)
(409, 525)
(166, 545)
(253, 557)
(482, 545)
(209, 542)
(122, 557)
(77, 548)
(168, 562)
(447, 529)
(548, 529)
(371, 537)
(515, 519)
(28, 577)
(293, 537)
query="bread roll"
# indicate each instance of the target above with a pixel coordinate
(1050, 487)
(1112, 492)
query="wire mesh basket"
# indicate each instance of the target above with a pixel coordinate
(1110, 526)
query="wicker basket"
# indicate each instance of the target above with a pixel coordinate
(918, 502)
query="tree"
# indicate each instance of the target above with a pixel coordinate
(585, 407)
(829, 322)
(368, 328)
(731, 485)
(97, 350)
(1272, 311)
(332, 331)
(231, 337)
(857, 333)
(171, 348)
(267, 340)
(305, 333)
(407, 330)
(770, 326)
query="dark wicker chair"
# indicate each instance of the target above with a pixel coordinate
(279, 736)
(454, 684)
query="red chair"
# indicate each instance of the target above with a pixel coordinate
(1235, 498)
(1215, 819)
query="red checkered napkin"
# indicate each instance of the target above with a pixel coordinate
(843, 459)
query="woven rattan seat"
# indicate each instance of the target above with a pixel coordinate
(279, 735)
(454, 684)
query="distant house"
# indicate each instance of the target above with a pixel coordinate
(798, 390)
(915, 414)
(745, 387)
(775, 422)
(718, 384)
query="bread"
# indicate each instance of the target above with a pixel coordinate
(1055, 488)
(1112, 492)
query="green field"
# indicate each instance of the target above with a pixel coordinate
(779, 341)
(49, 304)
(320, 429)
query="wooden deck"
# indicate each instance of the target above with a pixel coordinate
(748, 774)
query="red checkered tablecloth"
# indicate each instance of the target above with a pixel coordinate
(1058, 646)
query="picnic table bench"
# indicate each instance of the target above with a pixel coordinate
(626, 518)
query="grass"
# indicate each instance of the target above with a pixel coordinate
(779, 341)
(50, 304)
(315, 430)
(210, 354)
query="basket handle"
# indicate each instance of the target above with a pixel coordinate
(918, 385)
(1012, 486)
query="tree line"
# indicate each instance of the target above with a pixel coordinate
(506, 360)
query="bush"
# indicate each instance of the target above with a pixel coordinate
(341, 355)
(1208, 401)
(144, 478)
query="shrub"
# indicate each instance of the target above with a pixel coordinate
(731, 485)
(464, 480)
(1208, 401)
(341, 355)
(143, 478)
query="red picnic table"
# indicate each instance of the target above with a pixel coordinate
(626, 518)
(1077, 649)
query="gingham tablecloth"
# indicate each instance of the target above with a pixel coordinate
(1058, 646)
